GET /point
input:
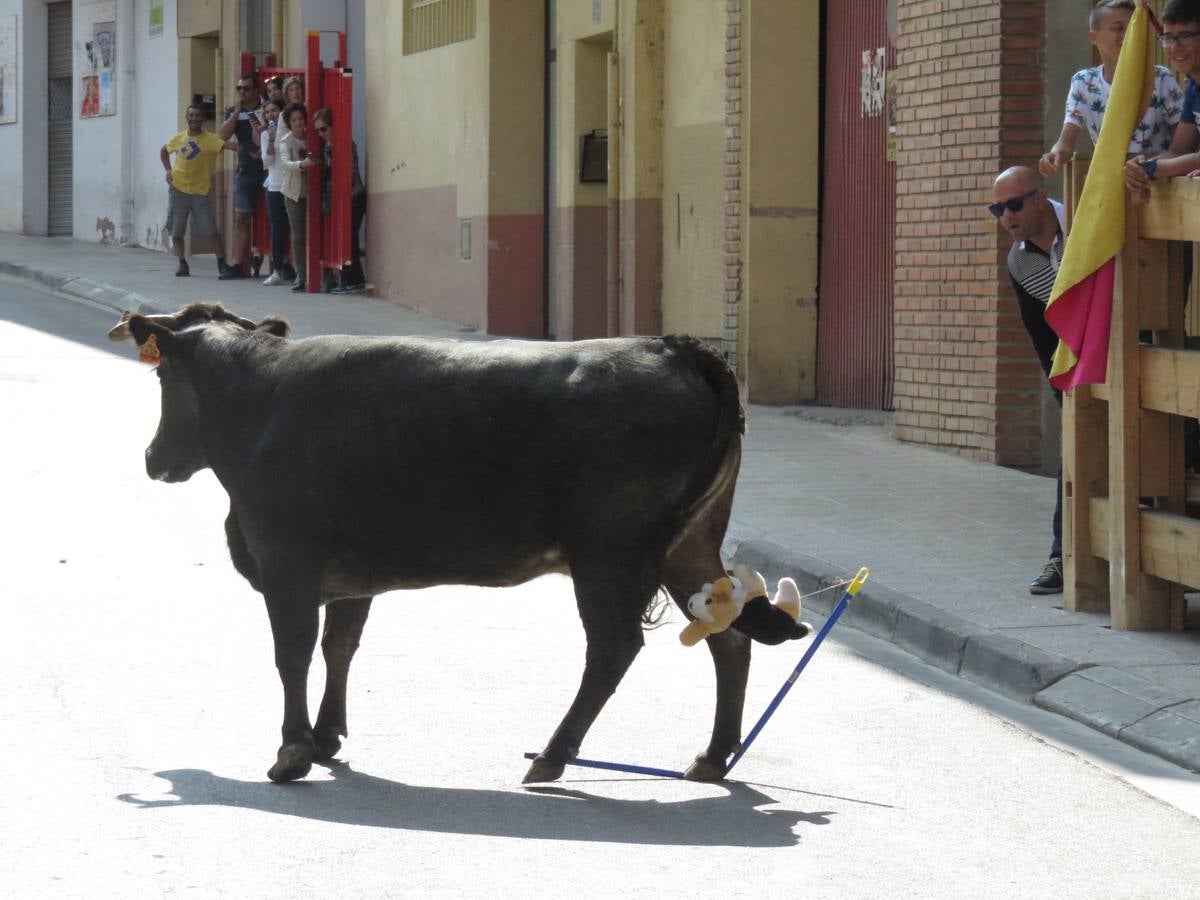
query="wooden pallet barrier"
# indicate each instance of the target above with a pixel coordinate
(1129, 549)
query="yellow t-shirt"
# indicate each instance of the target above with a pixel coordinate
(195, 156)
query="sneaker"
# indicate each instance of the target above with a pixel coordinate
(273, 279)
(222, 266)
(232, 273)
(349, 289)
(256, 265)
(183, 270)
(298, 287)
(1051, 579)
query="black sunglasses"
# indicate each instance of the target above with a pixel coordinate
(1016, 204)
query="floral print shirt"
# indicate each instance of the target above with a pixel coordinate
(1088, 98)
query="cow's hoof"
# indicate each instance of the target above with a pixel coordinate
(543, 769)
(292, 762)
(327, 746)
(705, 769)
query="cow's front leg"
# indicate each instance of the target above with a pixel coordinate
(344, 621)
(614, 636)
(294, 622)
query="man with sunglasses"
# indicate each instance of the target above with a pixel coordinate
(244, 122)
(1035, 223)
(1181, 41)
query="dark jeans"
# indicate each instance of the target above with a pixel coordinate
(277, 213)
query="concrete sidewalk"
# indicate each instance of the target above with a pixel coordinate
(951, 544)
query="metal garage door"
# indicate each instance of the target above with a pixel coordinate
(61, 117)
(858, 203)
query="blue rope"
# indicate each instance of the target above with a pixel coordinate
(853, 589)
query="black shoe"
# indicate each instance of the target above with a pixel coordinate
(256, 266)
(1051, 579)
(183, 269)
(232, 273)
(222, 266)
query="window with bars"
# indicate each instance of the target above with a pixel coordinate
(436, 23)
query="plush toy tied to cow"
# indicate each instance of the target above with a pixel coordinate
(741, 598)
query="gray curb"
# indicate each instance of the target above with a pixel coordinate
(115, 298)
(1118, 703)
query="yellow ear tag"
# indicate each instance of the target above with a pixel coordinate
(148, 352)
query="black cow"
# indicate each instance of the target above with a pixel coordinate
(358, 465)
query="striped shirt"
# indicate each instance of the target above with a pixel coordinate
(1031, 267)
(1033, 272)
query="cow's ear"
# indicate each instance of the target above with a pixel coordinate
(275, 325)
(142, 329)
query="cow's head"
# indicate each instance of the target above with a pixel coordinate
(177, 451)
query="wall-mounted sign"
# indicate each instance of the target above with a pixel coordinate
(98, 96)
(8, 70)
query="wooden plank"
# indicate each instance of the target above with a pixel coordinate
(1173, 213)
(1085, 477)
(1171, 550)
(1138, 602)
(1170, 542)
(1171, 381)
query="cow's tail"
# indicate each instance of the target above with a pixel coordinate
(718, 469)
(730, 426)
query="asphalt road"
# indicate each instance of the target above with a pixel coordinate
(140, 711)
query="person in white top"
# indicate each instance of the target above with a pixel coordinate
(281, 272)
(293, 157)
(1087, 98)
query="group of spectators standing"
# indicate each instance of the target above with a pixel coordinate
(1164, 144)
(270, 134)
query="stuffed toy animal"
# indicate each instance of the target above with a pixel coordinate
(740, 599)
(715, 607)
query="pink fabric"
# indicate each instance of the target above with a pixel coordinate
(1082, 318)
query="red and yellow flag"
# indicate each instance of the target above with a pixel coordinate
(1080, 306)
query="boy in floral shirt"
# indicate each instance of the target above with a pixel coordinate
(1088, 96)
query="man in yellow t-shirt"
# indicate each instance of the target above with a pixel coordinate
(189, 179)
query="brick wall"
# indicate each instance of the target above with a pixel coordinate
(733, 179)
(970, 103)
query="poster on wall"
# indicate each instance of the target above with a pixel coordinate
(8, 70)
(100, 59)
(874, 67)
(156, 18)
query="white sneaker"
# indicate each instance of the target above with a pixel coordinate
(273, 279)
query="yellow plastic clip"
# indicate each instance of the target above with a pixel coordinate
(859, 580)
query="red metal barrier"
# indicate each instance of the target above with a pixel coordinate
(328, 242)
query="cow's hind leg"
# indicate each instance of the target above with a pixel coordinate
(696, 560)
(611, 613)
(294, 620)
(344, 621)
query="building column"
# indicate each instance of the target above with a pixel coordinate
(970, 104)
